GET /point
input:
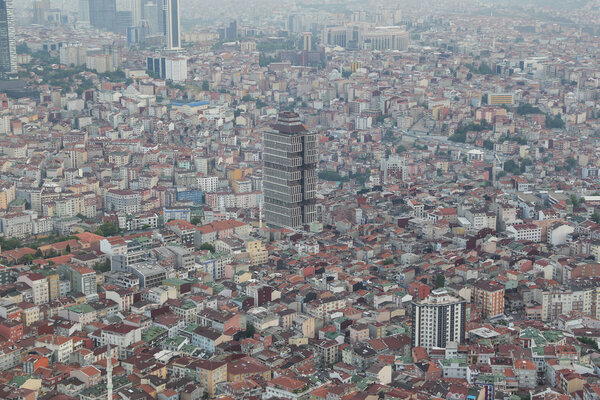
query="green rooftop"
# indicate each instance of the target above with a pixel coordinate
(81, 308)
(490, 379)
(190, 328)
(152, 333)
(99, 391)
(176, 341)
(188, 349)
(19, 381)
(448, 362)
(175, 282)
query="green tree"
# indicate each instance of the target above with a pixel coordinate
(205, 86)
(525, 109)
(107, 229)
(571, 163)
(22, 48)
(589, 341)
(525, 163)
(488, 144)
(10, 244)
(250, 330)
(207, 246)
(400, 149)
(388, 261)
(574, 201)
(102, 267)
(555, 122)
(596, 218)
(512, 167)
(332, 176)
(458, 137)
(440, 281)
(196, 220)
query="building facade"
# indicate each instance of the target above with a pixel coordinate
(172, 24)
(290, 173)
(488, 296)
(438, 319)
(8, 51)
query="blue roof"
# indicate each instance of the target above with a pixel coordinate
(192, 104)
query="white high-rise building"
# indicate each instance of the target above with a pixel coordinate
(438, 319)
(73, 54)
(176, 69)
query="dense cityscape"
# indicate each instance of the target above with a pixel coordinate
(299, 200)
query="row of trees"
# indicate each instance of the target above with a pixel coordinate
(460, 135)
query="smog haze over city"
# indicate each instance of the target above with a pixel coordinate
(300, 200)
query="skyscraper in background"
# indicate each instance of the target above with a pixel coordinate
(103, 14)
(8, 51)
(172, 24)
(84, 11)
(151, 16)
(133, 6)
(290, 173)
(229, 32)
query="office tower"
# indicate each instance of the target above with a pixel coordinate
(133, 6)
(39, 9)
(295, 23)
(84, 11)
(307, 41)
(232, 30)
(289, 173)
(124, 21)
(229, 32)
(438, 319)
(138, 34)
(151, 16)
(103, 14)
(171, 68)
(172, 24)
(8, 51)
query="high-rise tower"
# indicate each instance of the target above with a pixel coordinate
(103, 14)
(8, 51)
(172, 24)
(438, 319)
(290, 173)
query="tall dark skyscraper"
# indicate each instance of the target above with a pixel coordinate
(8, 51)
(229, 32)
(289, 173)
(103, 14)
(172, 24)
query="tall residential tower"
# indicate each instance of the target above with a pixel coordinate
(290, 173)
(8, 51)
(438, 319)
